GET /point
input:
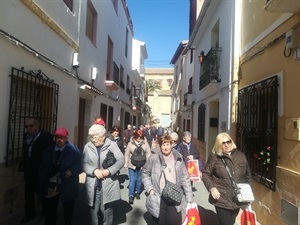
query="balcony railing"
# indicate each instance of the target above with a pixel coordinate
(210, 68)
(116, 76)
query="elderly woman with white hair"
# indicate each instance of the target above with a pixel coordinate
(102, 184)
(174, 137)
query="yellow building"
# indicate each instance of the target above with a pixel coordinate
(268, 126)
(159, 100)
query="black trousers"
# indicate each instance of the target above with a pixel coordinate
(168, 214)
(30, 187)
(227, 216)
(51, 205)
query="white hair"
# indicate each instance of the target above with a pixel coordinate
(186, 134)
(97, 129)
(174, 135)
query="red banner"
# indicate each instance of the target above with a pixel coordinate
(248, 217)
(192, 216)
(193, 170)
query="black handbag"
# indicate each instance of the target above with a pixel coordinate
(109, 160)
(171, 192)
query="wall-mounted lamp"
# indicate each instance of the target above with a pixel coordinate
(201, 57)
(75, 62)
(94, 74)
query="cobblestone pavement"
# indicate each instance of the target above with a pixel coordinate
(124, 213)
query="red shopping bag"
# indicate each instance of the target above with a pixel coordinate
(193, 170)
(248, 216)
(192, 216)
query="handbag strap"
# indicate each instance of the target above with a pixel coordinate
(229, 173)
(164, 165)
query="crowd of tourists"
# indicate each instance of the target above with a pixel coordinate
(156, 158)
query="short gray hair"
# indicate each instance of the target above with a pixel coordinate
(174, 135)
(97, 129)
(186, 134)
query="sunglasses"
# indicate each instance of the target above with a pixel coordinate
(226, 142)
(31, 125)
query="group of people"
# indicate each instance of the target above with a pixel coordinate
(52, 168)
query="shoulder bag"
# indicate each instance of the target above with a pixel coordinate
(109, 160)
(242, 191)
(171, 192)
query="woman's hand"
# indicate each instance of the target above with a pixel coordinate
(151, 192)
(190, 157)
(215, 193)
(100, 174)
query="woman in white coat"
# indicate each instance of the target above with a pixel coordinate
(102, 184)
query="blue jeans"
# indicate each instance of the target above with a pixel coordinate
(135, 181)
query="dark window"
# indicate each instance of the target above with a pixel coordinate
(109, 60)
(201, 122)
(126, 42)
(110, 117)
(32, 94)
(91, 22)
(103, 112)
(257, 129)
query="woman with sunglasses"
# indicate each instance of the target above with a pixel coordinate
(134, 170)
(218, 182)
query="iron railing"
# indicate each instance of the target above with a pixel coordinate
(257, 129)
(32, 94)
(210, 68)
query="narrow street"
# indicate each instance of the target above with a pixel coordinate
(125, 214)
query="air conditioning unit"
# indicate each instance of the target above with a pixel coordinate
(282, 6)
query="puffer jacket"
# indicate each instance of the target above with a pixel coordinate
(151, 175)
(130, 149)
(91, 160)
(216, 175)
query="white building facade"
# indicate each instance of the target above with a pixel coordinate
(65, 63)
(207, 68)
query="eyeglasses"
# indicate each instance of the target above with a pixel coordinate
(30, 125)
(93, 137)
(226, 142)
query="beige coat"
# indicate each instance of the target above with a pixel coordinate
(129, 151)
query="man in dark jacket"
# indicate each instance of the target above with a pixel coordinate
(35, 141)
(188, 149)
(150, 134)
(59, 177)
(127, 134)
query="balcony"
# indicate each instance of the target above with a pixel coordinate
(113, 86)
(210, 68)
(282, 6)
(137, 103)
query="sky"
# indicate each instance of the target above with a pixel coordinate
(162, 25)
